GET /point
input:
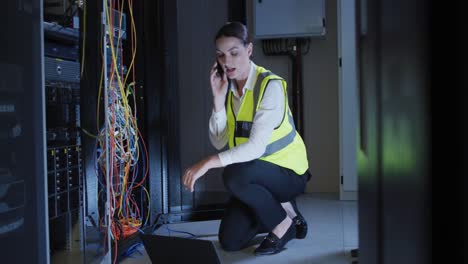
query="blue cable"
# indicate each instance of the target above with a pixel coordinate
(143, 169)
(96, 166)
(131, 250)
(191, 236)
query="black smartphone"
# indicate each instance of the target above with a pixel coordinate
(220, 69)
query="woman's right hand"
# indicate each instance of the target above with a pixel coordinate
(219, 86)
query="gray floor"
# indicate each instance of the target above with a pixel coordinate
(332, 233)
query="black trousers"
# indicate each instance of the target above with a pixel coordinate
(257, 190)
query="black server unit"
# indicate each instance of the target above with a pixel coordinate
(163, 76)
(23, 197)
(63, 134)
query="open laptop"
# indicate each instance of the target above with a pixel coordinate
(166, 249)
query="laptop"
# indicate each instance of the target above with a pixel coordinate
(166, 249)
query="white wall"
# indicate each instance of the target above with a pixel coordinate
(348, 98)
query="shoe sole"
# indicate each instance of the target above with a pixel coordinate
(269, 253)
(301, 237)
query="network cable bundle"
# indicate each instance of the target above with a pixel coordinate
(121, 154)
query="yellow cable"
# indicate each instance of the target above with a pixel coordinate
(88, 133)
(99, 97)
(131, 67)
(84, 38)
(149, 203)
(135, 44)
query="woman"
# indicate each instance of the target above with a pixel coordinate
(266, 164)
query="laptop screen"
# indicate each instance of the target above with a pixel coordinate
(166, 249)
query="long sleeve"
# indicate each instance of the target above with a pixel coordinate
(268, 116)
(218, 129)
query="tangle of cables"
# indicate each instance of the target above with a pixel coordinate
(286, 46)
(122, 157)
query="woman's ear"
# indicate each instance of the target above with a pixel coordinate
(250, 49)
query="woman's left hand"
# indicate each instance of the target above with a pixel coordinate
(192, 174)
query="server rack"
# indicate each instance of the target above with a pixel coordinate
(108, 48)
(70, 67)
(49, 96)
(63, 134)
(23, 190)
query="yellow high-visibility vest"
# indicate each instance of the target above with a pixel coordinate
(285, 147)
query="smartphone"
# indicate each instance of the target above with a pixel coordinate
(220, 69)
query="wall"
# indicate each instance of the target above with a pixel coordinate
(320, 90)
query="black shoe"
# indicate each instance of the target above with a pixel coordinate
(271, 244)
(299, 222)
(301, 226)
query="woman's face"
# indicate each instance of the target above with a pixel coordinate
(234, 57)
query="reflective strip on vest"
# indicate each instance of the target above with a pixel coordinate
(282, 142)
(258, 83)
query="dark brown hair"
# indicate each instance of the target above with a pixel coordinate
(234, 29)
